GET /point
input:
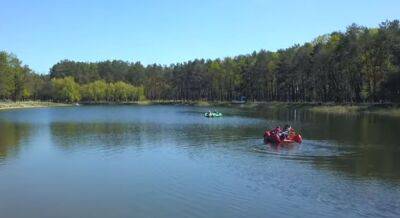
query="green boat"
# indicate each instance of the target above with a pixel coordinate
(215, 114)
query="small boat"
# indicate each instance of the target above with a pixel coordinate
(215, 114)
(238, 102)
(270, 136)
(242, 100)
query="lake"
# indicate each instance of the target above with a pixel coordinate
(171, 161)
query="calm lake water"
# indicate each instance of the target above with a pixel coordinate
(171, 161)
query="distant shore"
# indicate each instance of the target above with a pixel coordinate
(388, 109)
(8, 105)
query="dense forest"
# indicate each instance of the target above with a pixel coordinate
(358, 65)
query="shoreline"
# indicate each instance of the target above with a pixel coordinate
(11, 105)
(387, 109)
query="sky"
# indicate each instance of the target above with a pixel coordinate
(43, 32)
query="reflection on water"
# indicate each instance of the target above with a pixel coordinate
(119, 161)
(79, 135)
(11, 137)
(361, 145)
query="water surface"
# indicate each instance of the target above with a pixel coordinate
(170, 161)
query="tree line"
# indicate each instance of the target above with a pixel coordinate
(358, 65)
(18, 82)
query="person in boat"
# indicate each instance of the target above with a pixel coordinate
(277, 130)
(284, 134)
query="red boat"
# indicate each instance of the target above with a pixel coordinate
(272, 136)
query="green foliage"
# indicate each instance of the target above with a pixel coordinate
(96, 91)
(358, 65)
(5, 76)
(81, 71)
(99, 91)
(13, 77)
(65, 89)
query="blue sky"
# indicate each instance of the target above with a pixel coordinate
(43, 32)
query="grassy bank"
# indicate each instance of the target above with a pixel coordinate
(381, 109)
(331, 108)
(4, 105)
